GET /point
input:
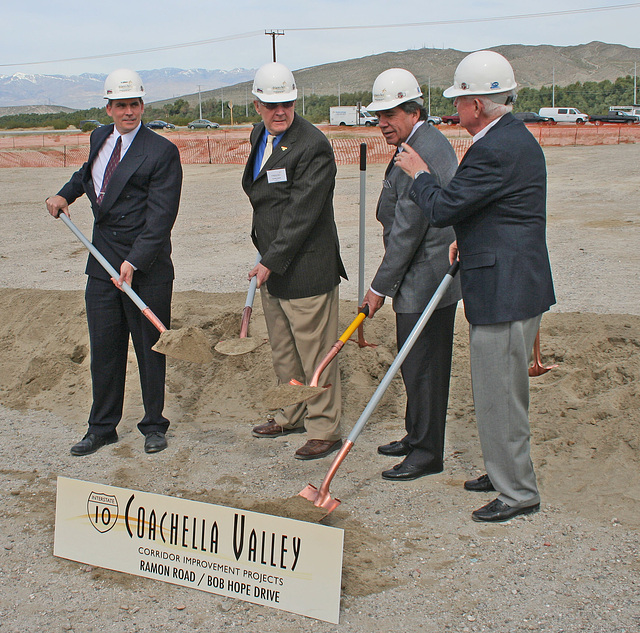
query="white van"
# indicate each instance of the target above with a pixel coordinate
(564, 115)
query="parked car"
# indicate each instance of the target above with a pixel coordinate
(451, 119)
(434, 120)
(161, 125)
(203, 123)
(532, 117)
(89, 122)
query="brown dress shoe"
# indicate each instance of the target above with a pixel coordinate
(314, 449)
(271, 429)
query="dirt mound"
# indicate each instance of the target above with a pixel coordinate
(584, 414)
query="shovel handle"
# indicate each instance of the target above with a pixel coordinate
(355, 324)
(144, 308)
(404, 351)
(253, 284)
(248, 304)
(337, 346)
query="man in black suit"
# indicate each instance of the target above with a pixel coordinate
(290, 180)
(133, 179)
(415, 261)
(496, 204)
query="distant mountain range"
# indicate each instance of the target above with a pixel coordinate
(535, 66)
(85, 91)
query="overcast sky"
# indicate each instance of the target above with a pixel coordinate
(45, 31)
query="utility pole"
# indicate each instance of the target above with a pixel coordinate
(200, 101)
(339, 95)
(553, 88)
(273, 35)
(429, 113)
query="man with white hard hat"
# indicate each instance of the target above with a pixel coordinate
(415, 261)
(290, 180)
(496, 203)
(133, 179)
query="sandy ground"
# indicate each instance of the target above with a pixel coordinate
(413, 558)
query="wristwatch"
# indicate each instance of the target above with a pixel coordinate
(419, 173)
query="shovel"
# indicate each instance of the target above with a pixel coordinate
(294, 391)
(322, 498)
(186, 344)
(244, 344)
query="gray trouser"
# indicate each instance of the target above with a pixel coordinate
(500, 356)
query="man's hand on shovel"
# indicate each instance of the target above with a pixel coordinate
(126, 275)
(261, 272)
(57, 205)
(374, 301)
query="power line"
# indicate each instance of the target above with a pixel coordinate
(522, 16)
(142, 50)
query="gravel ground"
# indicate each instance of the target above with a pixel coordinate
(413, 558)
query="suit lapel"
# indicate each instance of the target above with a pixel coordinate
(282, 149)
(98, 138)
(131, 161)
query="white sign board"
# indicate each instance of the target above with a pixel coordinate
(282, 563)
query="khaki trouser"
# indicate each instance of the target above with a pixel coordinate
(301, 332)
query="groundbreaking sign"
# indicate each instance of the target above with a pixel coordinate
(282, 563)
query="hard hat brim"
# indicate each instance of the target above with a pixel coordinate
(453, 92)
(379, 106)
(279, 98)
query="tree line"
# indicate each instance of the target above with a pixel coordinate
(590, 97)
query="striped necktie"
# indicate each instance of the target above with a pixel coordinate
(111, 167)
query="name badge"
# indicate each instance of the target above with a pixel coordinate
(276, 175)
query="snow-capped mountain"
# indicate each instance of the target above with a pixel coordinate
(85, 91)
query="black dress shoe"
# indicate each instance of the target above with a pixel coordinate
(91, 442)
(481, 484)
(498, 511)
(407, 472)
(154, 442)
(394, 449)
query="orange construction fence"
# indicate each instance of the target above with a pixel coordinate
(51, 150)
(204, 150)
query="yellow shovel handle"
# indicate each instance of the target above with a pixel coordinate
(354, 325)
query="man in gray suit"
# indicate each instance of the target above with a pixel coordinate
(415, 261)
(496, 202)
(290, 179)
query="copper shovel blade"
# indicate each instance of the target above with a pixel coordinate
(311, 493)
(286, 395)
(189, 343)
(237, 346)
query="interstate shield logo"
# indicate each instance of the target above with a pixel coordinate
(102, 511)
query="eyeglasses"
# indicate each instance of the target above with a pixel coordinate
(273, 106)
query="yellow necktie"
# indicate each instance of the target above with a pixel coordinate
(267, 150)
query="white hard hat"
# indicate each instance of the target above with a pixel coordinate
(393, 87)
(123, 84)
(274, 83)
(482, 73)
